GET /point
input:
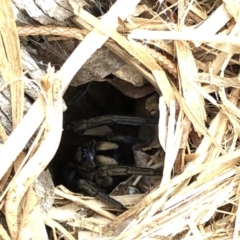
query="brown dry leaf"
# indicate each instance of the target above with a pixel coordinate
(179, 162)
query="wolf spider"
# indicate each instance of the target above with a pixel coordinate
(97, 163)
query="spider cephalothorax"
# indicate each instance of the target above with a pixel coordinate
(93, 155)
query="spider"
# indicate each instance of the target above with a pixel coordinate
(97, 165)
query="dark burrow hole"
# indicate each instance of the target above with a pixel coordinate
(100, 99)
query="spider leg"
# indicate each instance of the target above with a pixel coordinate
(123, 139)
(110, 171)
(92, 191)
(104, 175)
(111, 119)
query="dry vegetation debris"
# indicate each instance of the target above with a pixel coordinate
(189, 53)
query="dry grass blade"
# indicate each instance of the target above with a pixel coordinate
(11, 67)
(198, 126)
(193, 99)
(183, 36)
(162, 125)
(237, 209)
(21, 135)
(3, 233)
(3, 133)
(177, 216)
(172, 144)
(55, 225)
(230, 158)
(85, 203)
(39, 161)
(11, 60)
(31, 212)
(217, 20)
(184, 204)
